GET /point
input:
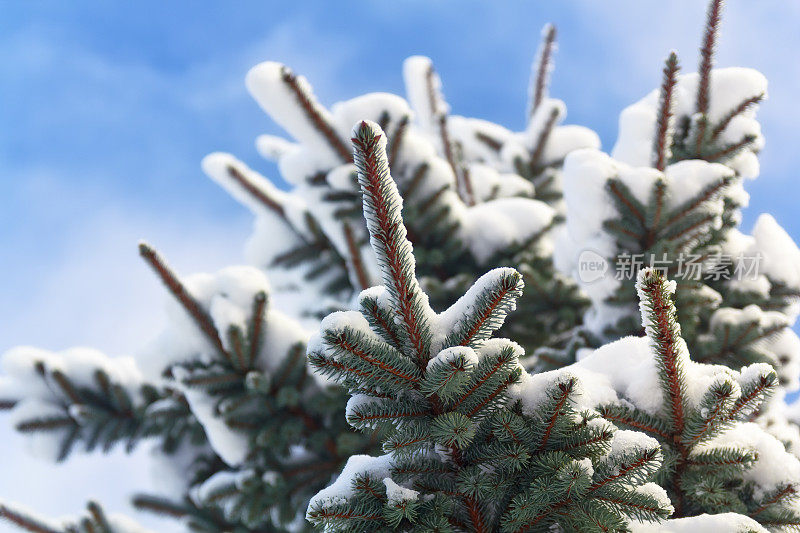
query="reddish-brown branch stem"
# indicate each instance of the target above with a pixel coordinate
(179, 291)
(786, 491)
(480, 382)
(65, 385)
(346, 346)
(565, 390)
(541, 141)
(663, 124)
(500, 388)
(707, 195)
(356, 261)
(23, 522)
(396, 140)
(730, 150)
(490, 309)
(319, 122)
(632, 208)
(256, 192)
(489, 141)
(706, 64)
(738, 110)
(744, 401)
(259, 308)
(543, 68)
(389, 234)
(668, 348)
(634, 424)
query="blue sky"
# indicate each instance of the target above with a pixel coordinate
(106, 109)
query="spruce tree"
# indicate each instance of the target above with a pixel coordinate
(230, 399)
(468, 209)
(461, 453)
(406, 414)
(670, 197)
(715, 459)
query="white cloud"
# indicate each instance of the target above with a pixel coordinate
(73, 276)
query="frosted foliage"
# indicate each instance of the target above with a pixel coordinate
(313, 244)
(488, 183)
(441, 324)
(777, 259)
(334, 322)
(38, 397)
(492, 227)
(773, 467)
(704, 523)
(562, 139)
(278, 227)
(625, 367)
(588, 206)
(19, 378)
(221, 167)
(357, 465)
(502, 218)
(627, 441)
(232, 446)
(264, 82)
(729, 87)
(397, 494)
(465, 306)
(782, 348)
(531, 390)
(656, 492)
(352, 111)
(417, 74)
(118, 523)
(228, 298)
(780, 255)
(449, 355)
(45, 446)
(626, 370)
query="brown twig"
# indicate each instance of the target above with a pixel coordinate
(706, 64)
(182, 295)
(664, 123)
(542, 69)
(312, 113)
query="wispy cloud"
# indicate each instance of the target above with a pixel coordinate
(103, 154)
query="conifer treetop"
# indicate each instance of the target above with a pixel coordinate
(542, 68)
(460, 451)
(702, 416)
(382, 211)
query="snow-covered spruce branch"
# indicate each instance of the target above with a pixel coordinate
(81, 397)
(675, 203)
(324, 250)
(95, 520)
(716, 460)
(278, 434)
(470, 440)
(461, 453)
